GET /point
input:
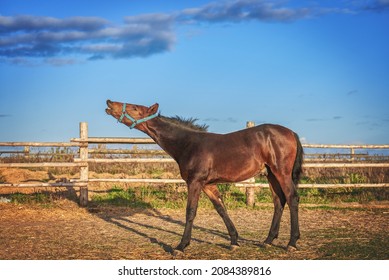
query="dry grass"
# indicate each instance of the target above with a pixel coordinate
(62, 230)
(59, 229)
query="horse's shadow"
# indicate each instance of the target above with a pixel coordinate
(149, 230)
(125, 223)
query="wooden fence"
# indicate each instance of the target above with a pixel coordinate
(83, 161)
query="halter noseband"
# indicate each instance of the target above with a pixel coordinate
(134, 121)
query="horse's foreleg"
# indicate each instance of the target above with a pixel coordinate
(214, 195)
(194, 190)
(279, 203)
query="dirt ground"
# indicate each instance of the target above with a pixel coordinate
(63, 230)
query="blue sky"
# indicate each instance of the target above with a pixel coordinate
(320, 68)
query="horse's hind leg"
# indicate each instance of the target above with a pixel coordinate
(292, 199)
(214, 195)
(279, 203)
(293, 202)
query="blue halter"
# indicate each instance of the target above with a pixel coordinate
(134, 121)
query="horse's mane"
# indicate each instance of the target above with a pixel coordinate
(186, 122)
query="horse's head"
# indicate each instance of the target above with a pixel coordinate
(131, 114)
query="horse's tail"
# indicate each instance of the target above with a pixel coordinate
(298, 162)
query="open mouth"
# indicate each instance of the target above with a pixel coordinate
(109, 109)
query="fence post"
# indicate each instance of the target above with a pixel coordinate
(26, 151)
(250, 191)
(84, 170)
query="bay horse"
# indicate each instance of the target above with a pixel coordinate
(205, 159)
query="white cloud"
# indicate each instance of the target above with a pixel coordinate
(31, 39)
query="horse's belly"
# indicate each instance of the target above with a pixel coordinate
(236, 171)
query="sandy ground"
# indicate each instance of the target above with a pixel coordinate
(63, 230)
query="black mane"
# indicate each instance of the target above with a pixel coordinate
(188, 123)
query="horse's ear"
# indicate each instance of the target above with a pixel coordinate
(153, 109)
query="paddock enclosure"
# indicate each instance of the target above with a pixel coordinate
(61, 229)
(82, 152)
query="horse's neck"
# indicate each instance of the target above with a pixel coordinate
(171, 138)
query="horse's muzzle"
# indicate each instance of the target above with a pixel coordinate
(109, 109)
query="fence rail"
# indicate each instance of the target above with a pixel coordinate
(44, 164)
(337, 146)
(39, 144)
(117, 140)
(83, 160)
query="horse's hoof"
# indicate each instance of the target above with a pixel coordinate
(266, 245)
(234, 247)
(291, 248)
(177, 253)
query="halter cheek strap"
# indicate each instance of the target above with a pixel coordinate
(134, 121)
